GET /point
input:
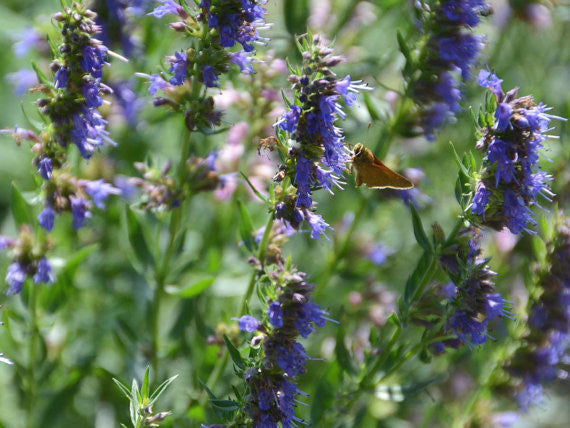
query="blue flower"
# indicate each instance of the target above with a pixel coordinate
(178, 67)
(349, 88)
(99, 191)
(275, 314)
(15, 277)
(243, 61)
(464, 12)
(499, 152)
(79, 211)
(247, 323)
(377, 254)
(290, 119)
(209, 76)
(43, 272)
(93, 60)
(90, 91)
(460, 50)
(61, 78)
(166, 8)
(264, 400)
(291, 359)
(503, 116)
(517, 214)
(310, 313)
(46, 218)
(496, 306)
(467, 328)
(480, 200)
(45, 167)
(491, 81)
(317, 224)
(303, 172)
(22, 80)
(28, 39)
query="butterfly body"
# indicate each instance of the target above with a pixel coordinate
(371, 171)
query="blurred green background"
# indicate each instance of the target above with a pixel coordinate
(94, 321)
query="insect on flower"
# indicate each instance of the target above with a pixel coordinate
(371, 171)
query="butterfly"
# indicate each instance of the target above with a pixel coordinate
(372, 172)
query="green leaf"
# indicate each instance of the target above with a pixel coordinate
(245, 227)
(253, 189)
(372, 111)
(419, 231)
(402, 393)
(325, 393)
(123, 388)
(417, 276)
(403, 46)
(42, 78)
(137, 239)
(191, 290)
(160, 390)
(21, 210)
(224, 405)
(296, 13)
(234, 353)
(144, 388)
(342, 355)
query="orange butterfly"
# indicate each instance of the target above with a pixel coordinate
(372, 172)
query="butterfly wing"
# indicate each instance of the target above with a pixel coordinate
(379, 176)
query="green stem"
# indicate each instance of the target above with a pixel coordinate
(163, 270)
(222, 362)
(383, 357)
(31, 381)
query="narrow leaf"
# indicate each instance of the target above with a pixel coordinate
(234, 353)
(419, 231)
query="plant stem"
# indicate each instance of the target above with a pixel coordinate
(161, 273)
(222, 362)
(31, 381)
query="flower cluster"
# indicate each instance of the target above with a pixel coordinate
(511, 180)
(291, 313)
(316, 154)
(77, 91)
(114, 19)
(237, 21)
(233, 21)
(28, 260)
(65, 192)
(450, 48)
(470, 300)
(162, 191)
(546, 344)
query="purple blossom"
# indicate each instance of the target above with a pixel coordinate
(290, 119)
(275, 314)
(349, 88)
(496, 306)
(61, 78)
(178, 67)
(377, 254)
(291, 359)
(503, 116)
(99, 191)
(15, 277)
(93, 60)
(317, 224)
(209, 76)
(460, 50)
(491, 81)
(309, 314)
(6, 243)
(79, 211)
(467, 328)
(22, 80)
(46, 218)
(28, 39)
(247, 323)
(43, 272)
(480, 200)
(243, 61)
(45, 167)
(90, 91)
(303, 181)
(167, 7)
